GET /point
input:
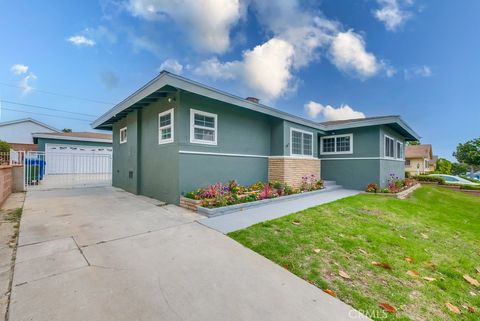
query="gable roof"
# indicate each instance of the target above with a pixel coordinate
(158, 87)
(23, 120)
(418, 151)
(77, 136)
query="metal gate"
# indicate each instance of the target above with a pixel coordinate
(63, 170)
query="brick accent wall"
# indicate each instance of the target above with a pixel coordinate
(5, 182)
(290, 170)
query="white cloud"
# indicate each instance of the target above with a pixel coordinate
(417, 71)
(19, 69)
(264, 71)
(326, 113)
(80, 40)
(216, 69)
(206, 22)
(348, 53)
(25, 83)
(171, 65)
(393, 13)
(297, 38)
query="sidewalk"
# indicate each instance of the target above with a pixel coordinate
(239, 220)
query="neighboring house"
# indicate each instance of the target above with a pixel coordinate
(174, 135)
(18, 133)
(419, 159)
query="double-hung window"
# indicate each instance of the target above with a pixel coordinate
(301, 143)
(165, 127)
(389, 147)
(123, 135)
(399, 150)
(338, 144)
(203, 127)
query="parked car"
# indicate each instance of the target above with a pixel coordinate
(451, 179)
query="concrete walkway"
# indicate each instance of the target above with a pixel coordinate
(238, 220)
(100, 254)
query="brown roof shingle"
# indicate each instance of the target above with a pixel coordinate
(418, 151)
(81, 135)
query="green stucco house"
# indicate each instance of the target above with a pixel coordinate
(174, 135)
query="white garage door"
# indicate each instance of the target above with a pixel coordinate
(76, 159)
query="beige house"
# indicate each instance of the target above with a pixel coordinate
(419, 159)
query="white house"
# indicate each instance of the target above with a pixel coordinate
(18, 133)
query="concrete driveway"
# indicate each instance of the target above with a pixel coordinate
(104, 254)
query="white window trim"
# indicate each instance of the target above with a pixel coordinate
(123, 129)
(291, 141)
(385, 147)
(335, 144)
(193, 126)
(171, 139)
(396, 150)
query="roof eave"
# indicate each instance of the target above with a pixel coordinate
(166, 78)
(376, 122)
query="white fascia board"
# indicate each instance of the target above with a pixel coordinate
(84, 139)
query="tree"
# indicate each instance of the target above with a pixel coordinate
(413, 142)
(469, 153)
(459, 169)
(4, 146)
(67, 130)
(444, 166)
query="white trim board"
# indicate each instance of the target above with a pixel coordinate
(363, 158)
(221, 154)
(72, 138)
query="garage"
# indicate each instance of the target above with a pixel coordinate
(77, 159)
(70, 159)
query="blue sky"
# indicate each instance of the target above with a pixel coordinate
(321, 60)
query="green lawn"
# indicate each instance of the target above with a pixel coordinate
(438, 229)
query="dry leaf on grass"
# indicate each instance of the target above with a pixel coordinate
(344, 275)
(382, 264)
(316, 250)
(387, 307)
(330, 292)
(413, 273)
(430, 264)
(403, 237)
(429, 279)
(478, 269)
(471, 280)
(408, 259)
(471, 309)
(425, 236)
(296, 223)
(452, 308)
(365, 252)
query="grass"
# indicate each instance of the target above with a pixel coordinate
(438, 228)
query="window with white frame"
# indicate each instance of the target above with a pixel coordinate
(301, 143)
(337, 144)
(165, 127)
(399, 150)
(389, 147)
(123, 135)
(203, 127)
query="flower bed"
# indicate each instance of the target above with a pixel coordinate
(220, 195)
(395, 187)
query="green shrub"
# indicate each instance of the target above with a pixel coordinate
(470, 187)
(431, 179)
(4, 146)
